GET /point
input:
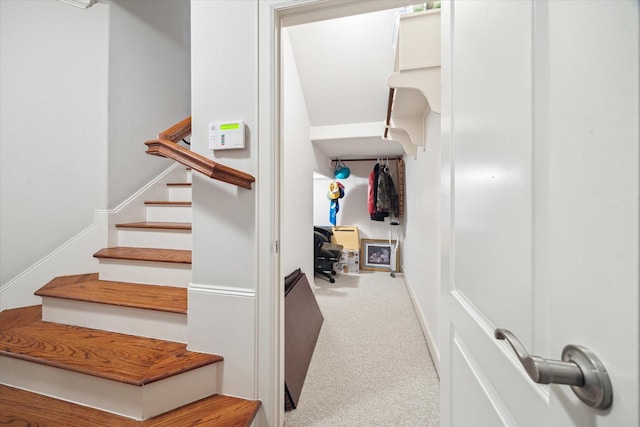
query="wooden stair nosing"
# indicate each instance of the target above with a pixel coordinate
(21, 407)
(88, 288)
(178, 256)
(179, 184)
(118, 357)
(156, 225)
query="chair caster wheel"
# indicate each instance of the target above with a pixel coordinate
(334, 273)
(332, 280)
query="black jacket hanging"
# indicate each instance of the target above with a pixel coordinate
(383, 199)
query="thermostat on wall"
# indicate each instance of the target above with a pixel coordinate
(226, 135)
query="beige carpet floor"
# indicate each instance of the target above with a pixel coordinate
(371, 366)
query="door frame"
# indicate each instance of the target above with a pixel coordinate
(272, 16)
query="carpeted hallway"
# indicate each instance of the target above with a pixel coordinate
(371, 366)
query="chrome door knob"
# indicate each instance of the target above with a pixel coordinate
(579, 368)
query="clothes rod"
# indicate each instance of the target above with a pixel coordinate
(372, 159)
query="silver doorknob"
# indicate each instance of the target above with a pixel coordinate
(579, 368)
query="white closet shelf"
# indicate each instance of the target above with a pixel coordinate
(416, 92)
(415, 82)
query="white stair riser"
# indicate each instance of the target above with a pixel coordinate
(137, 402)
(151, 238)
(148, 273)
(168, 213)
(125, 320)
(179, 194)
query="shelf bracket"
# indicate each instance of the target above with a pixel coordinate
(426, 80)
(404, 139)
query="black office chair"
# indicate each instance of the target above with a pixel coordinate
(326, 253)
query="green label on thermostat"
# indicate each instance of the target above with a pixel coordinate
(230, 126)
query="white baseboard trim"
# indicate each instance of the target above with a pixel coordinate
(135, 196)
(432, 345)
(133, 208)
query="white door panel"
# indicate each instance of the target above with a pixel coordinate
(491, 214)
(469, 386)
(495, 368)
(593, 206)
(540, 229)
(493, 160)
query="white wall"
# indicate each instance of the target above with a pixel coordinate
(53, 110)
(222, 297)
(353, 206)
(421, 260)
(149, 86)
(81, 92)
(330, 54)
(300, 159)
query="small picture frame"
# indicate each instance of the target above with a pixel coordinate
(378, 255)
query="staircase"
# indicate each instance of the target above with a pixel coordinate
(109, 348)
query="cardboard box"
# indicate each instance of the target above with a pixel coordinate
(349, 261)
(347, 236)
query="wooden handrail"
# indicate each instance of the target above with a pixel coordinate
(166, 146)
(178, 131)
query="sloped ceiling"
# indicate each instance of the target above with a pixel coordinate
(343, 66)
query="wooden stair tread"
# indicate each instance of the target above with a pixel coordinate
(179, 184)
(166, 203)
(124, 358)
(88, 288)
(19, 316)
(157, 225)
(21, 407)
(180, 256)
